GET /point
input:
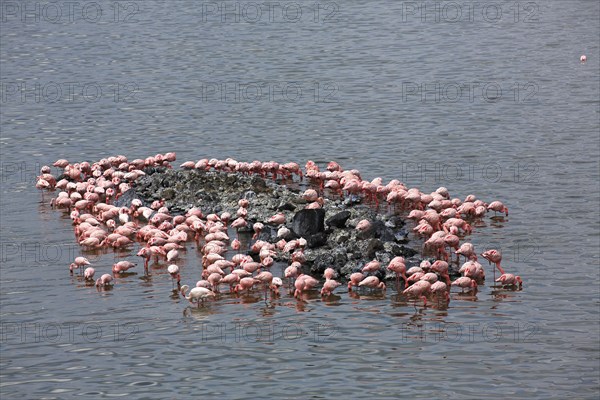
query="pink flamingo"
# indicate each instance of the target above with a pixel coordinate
(355, 279)
(397, 265)
(440, 287)
(510, 280)
(371, 266)
(292, 271)
(276, 283)
(244, 284)
(173, 270)
(122, 266)
(214, 279)
(430, 277)
(372, 282)
(441, 267)
(494, 256)
(79, 262)
(265, 278)
(173, 254)
(231, 280)
(277, 219)
(257, 227)
(329, 274)
(88, 274)
(363, 226)
(329, 287)
(310, 195)
(467, 250)
(419, 289)
(465, 282)
(497, 206)
(104, 280)
(304, 283)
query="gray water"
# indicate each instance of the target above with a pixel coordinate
(515, 118)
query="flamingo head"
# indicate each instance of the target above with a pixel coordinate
(184, 289)
(519, 280)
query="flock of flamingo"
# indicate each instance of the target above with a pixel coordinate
(88, 191)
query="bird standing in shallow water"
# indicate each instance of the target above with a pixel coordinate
(497, 206)
(174, 272)
(88, 274)
(494, 256)
(199, 294)
(79, 262)
(510, 280)
(419, 289)
(372, 282)
(104, 280)
(465, 282)
(355, 279)
(329, 287)
(397, 265)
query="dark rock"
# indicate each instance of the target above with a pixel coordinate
(408, 252)
(125, 199)
(307, 222)
(366, 249)
(395, 222)
(380, 231)
(316, 240)
(393, 249)
(401, 236)
(339, 220)
(284, 206)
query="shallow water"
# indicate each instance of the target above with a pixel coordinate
(168, 77)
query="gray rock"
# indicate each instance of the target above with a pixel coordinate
(334, 244)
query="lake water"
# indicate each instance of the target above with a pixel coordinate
(481, 97)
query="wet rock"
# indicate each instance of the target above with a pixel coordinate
(307, 222)
(339, 220)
